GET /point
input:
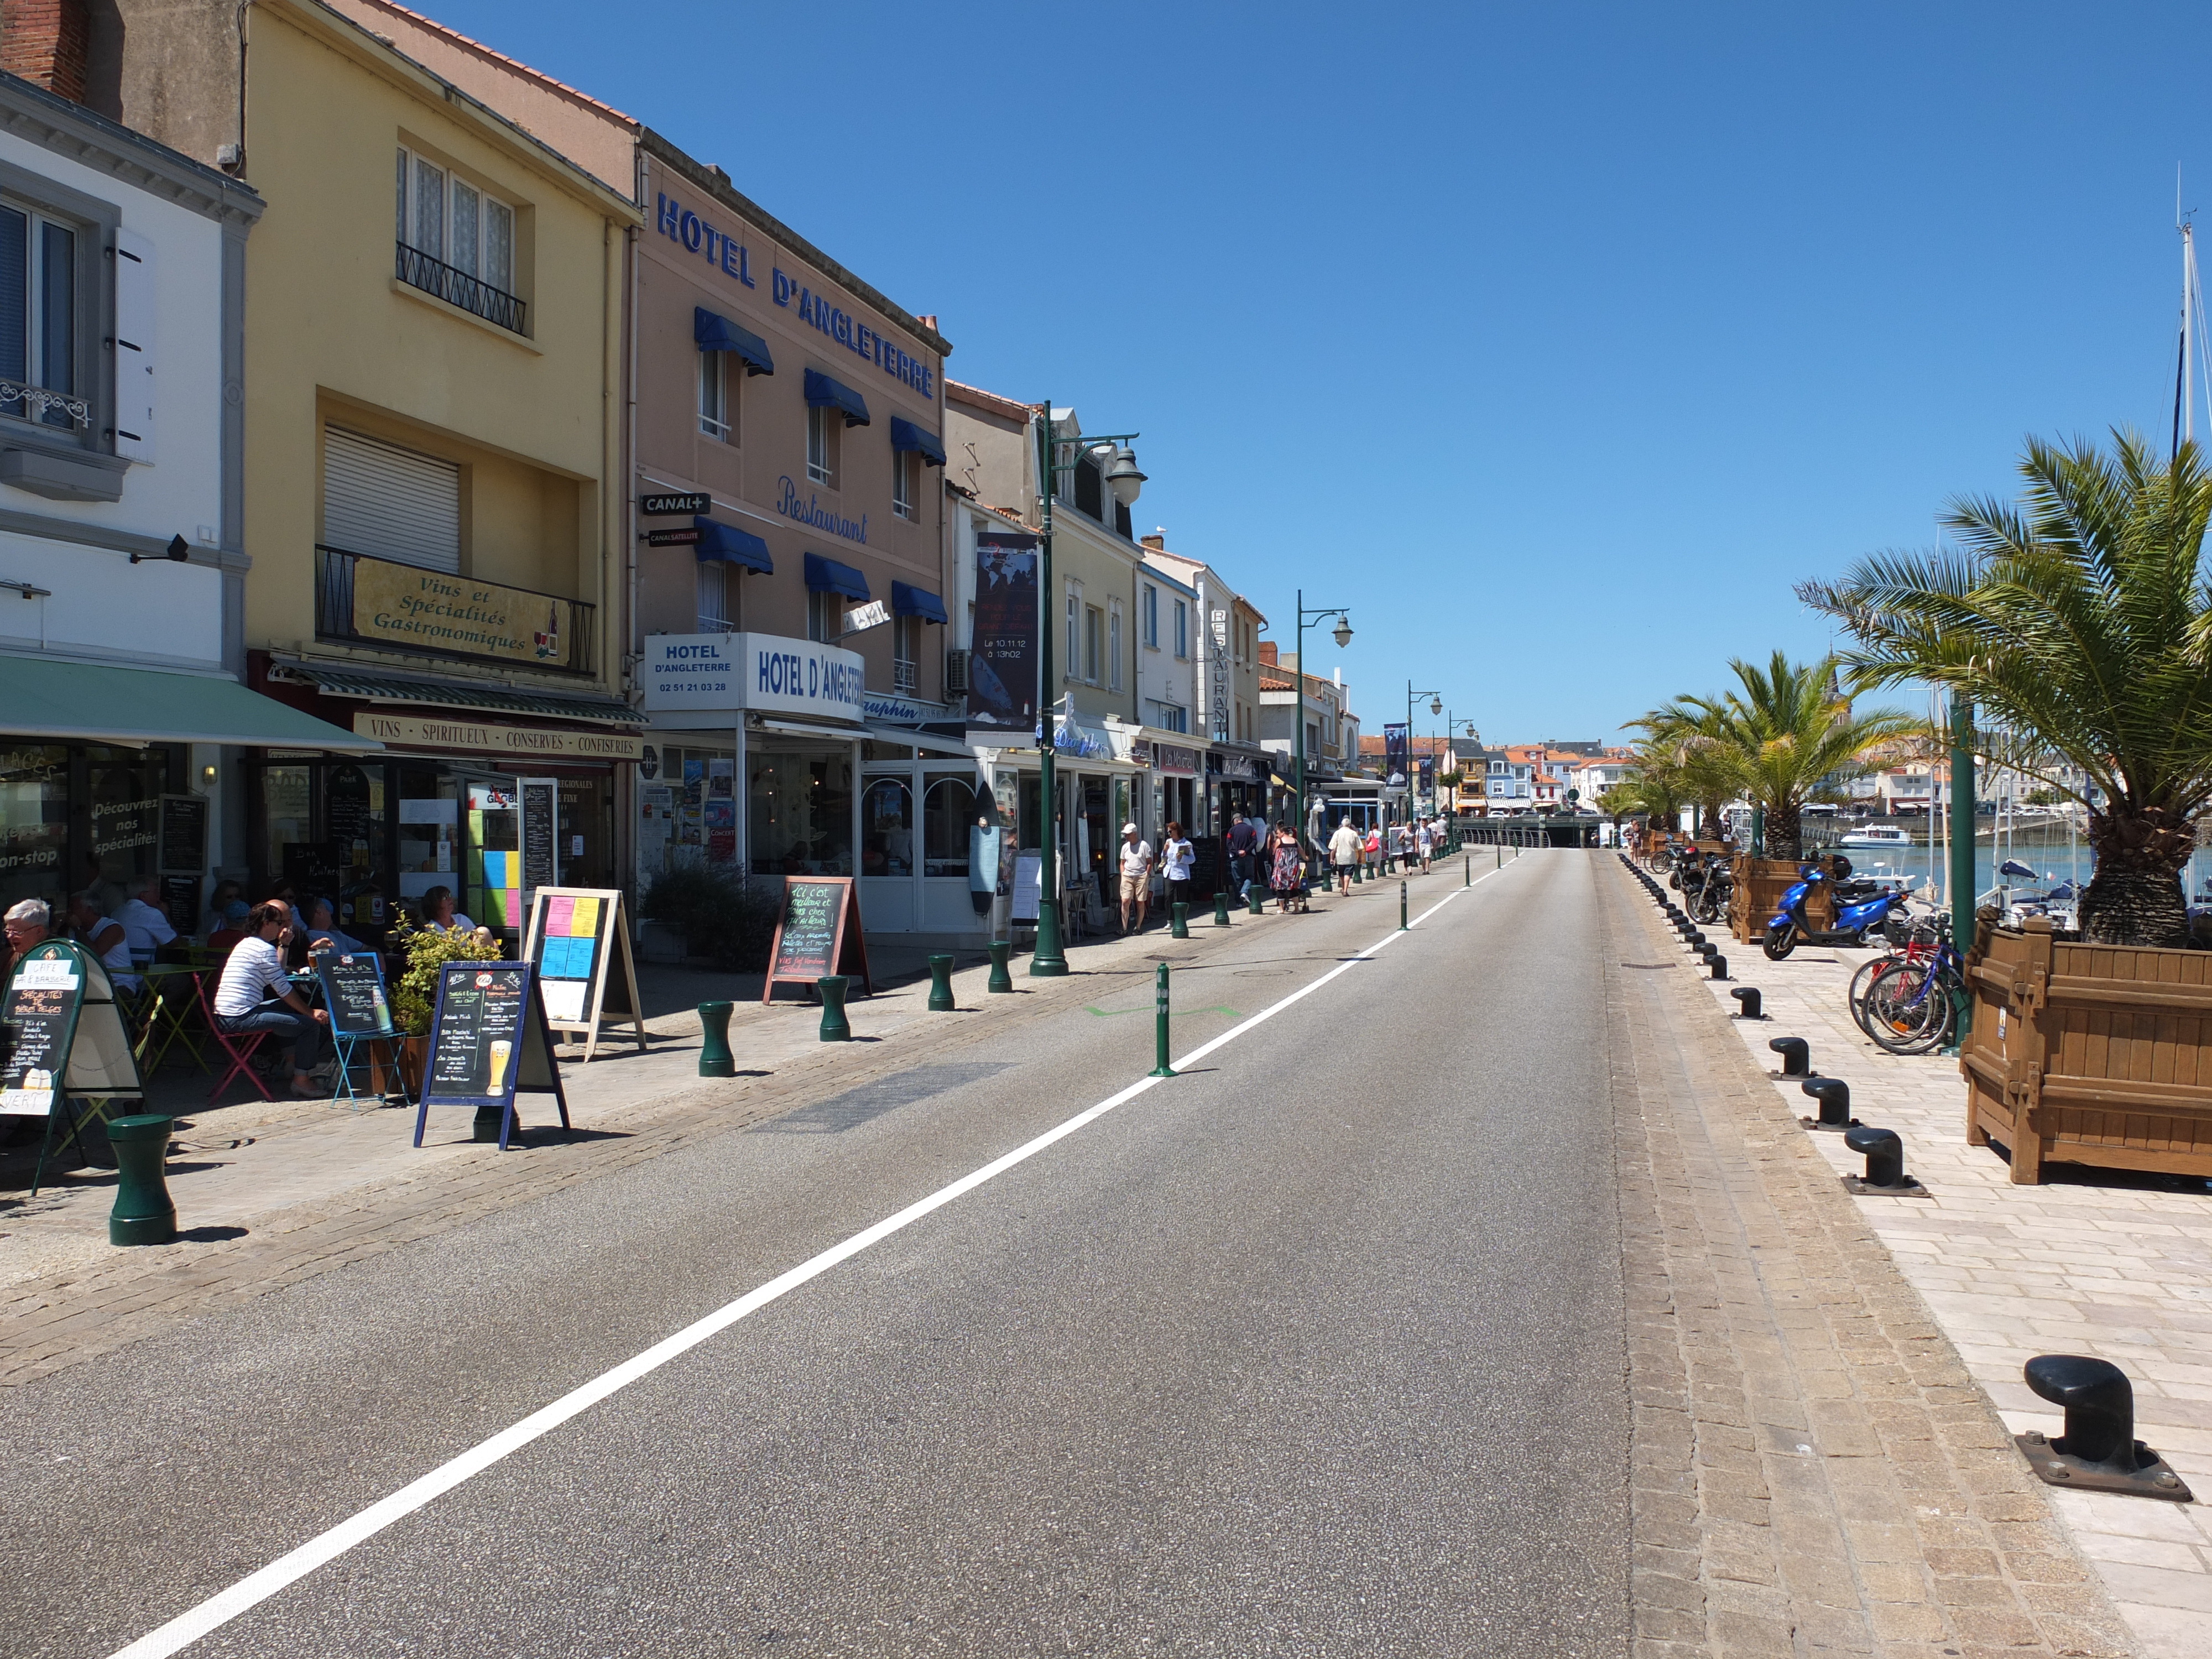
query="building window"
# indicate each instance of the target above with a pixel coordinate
(1094, 628)
(1150, 620)
(456, 241)
(38, 318)
(1170, 717)
(1181, 629)
(1089, 487)
(1074, 631)
(715, 396)
(825, 438)
(714, 597)
(826, 617)
(1113, 645)
(906, 652)
(905, 464)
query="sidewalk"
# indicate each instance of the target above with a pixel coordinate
(2103, 1263)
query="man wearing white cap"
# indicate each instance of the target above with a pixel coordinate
(1136, 878)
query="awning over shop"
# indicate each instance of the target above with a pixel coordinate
(87, 703)
(344, 680)
(905, 435)
(826, 576)
(715, 332)
(937, 742)
(907, 600)
(822, 393)
(734, 546)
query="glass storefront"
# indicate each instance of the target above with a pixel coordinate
(801, 805)
(81, 815)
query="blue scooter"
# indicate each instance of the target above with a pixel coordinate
(1786, 932)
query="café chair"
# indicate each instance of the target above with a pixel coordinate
(240, 1046)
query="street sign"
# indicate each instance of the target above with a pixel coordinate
(674, 506)
(687, 537)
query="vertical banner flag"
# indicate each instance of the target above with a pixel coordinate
(1002, 667)
(1394, 752)
(1428, 774)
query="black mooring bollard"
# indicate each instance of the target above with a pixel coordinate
(1717, 966)
(1885, 1154)
(1747, 997)
(1796, 1055)
(2099, 1450)
(1835, 1098)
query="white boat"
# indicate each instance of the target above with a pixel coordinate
(1876, 836)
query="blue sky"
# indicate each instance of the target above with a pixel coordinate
(1560, 342)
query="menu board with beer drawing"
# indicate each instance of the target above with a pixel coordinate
(488, 1041)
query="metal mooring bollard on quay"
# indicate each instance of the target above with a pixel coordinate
(144, 1214)
(1160, 1067)
(834, 1028)
(1747, 1002)
(1000, 981)
(1835, 1098)
(715, 1058)
(1797, 1056)
(940, 986)
(1884, 1176)
(2099, 1450)
(1716, 965)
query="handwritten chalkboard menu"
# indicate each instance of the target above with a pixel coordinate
(488, 1039)
(356, 826)
(540, 812)
(69, 1044)
(817, 934)
(181, 838)
(353, 992)
(40, 1010)
(181, 897)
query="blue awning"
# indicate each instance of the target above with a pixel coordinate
(909, 601)
(828, 576)
(905, 435)
(822, 393)
(727, 541)
(715, 332)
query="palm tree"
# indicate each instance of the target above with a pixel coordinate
(1786, 735)
(2080, 622)
(1682, 743)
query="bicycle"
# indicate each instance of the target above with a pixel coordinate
(1914, 1006)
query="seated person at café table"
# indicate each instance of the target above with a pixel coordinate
(232, 927)
(323, 931)
(104, 937)
(27, 925)
(145, 924)
(438, 912)
(256, 965)
(219, 902)
(289, 895)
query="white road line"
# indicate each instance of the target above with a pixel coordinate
(226, 1604)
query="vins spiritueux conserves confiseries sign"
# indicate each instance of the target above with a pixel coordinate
(431, 610)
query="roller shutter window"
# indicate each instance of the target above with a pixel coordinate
(390, 502)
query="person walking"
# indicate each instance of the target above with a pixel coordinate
(1344, 851)
(1176, 854)
(1427, 843)
(1286, 874)
(1242, 841)
(1136, 879)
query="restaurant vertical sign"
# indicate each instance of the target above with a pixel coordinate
(1002, 665)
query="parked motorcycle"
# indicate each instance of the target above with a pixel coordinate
(1787, 929)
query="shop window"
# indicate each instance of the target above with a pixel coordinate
(949, 811)
(906, 652)
(714, 596)
(905, 484)
(801, 805)
(825, 440)
(287, 817)
(34, 791)
(430, 852)
(715, 416)
(887, 829)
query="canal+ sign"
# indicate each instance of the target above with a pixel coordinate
(766, 672)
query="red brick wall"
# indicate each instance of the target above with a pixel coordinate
(45, 41)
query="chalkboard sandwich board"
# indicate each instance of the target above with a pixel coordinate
(817, 934)
(353, 992)
(488, 1041)
(69, 1044)
(578, 947)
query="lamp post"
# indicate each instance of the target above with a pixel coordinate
(1342, 634)
(1436, 706)
(1049, 959)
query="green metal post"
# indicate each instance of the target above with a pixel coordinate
(1759, 831)
(1962, 833)
(1001, 980)
(1402, 907)
(144, 1211)
(1256, 901)
(1161, 1068)
(1179, 919)
(835, 1027)
(940, 986)
(715, 1058)
(1049, 959)
(1221, 906)
(1469, 882)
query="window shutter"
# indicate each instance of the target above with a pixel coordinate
(134, 346)
(390, 502)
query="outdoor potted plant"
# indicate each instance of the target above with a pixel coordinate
(415, 997)
(2076, 622)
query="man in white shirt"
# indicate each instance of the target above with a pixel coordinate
(145, 928)
(1344, 848)
(1136, 878)
(256, 964)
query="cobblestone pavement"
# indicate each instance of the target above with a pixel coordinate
(2122, 1270)
(1816, 1470)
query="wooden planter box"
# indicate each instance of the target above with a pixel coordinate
(2089, 1053)
(1757, 895)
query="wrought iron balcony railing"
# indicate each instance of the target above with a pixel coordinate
(35, 403)
(457, 287)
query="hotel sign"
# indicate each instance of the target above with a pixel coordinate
(512, 741)
(767, 673)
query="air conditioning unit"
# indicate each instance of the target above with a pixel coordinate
(956, 670)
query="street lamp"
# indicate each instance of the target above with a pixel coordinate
(1049, 959)
(1342, 634)
(1436, 706)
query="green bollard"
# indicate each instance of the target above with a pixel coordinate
(834, 1027)
(1360, 872)
(1000, 979)
(1257, 900)
(940, 986)
(715, 1058)
(1402, 907)
(1501, 856)
(1160, 1027)
(1221, 906)
(1469, 882)
(145, 1213)
(1179, 925)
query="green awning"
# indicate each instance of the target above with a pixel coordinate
(86, 702)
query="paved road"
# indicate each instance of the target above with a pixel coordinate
(1316, 1349)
